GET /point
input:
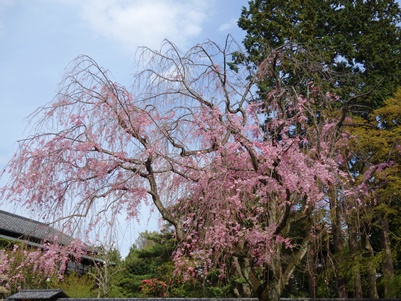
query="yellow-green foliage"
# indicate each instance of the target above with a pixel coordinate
(76, 286)
(378, 141)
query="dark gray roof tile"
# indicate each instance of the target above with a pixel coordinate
(38, 295)
(28, 228)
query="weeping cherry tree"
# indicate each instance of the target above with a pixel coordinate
(234, 174)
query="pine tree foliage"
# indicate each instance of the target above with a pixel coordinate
(361, 37)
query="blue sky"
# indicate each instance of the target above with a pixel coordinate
(38, 38)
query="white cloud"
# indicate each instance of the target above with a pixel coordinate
(229, 25)
(136, 23)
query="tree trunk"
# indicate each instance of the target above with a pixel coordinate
(354, 249)
(268, 290)
(270, 285)
(370, 266)
(274, 292)
(245, 288)
(335, 210)
(271, 292)
(311, 269)
(387, 265)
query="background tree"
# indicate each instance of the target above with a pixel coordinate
(76, 286)
(148, 271)
(149, 258)
(361, 37)
(104, 271)
(376, 149)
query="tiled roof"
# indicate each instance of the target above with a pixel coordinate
(26, 228)
(159, 299)
(38, 295)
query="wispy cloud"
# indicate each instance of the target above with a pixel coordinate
(229, 25)
(134, 23)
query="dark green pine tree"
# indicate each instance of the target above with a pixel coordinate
(357, 37)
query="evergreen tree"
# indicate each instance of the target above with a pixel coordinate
(148, 271)
(361, 37)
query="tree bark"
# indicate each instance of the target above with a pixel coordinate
(335, 210)
(370, 266)
(276, 275)
(272, 292)
(387, 265)
(354, 249)
(246, 290)
(311, 270)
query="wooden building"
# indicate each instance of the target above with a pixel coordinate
(15, 228)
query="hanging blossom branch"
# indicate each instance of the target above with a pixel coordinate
(30, 267)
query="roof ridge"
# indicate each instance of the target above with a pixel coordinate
(32, 228)
(24, 217)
